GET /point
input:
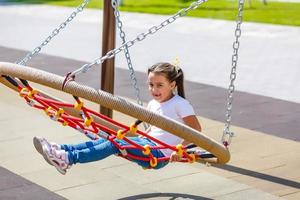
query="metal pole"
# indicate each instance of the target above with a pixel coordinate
(108, 43)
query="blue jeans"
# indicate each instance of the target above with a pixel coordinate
(99, 149)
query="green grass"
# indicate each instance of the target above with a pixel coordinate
(274, 12)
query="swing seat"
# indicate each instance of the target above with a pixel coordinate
(64, 112)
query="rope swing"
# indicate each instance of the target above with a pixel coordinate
(95, 125)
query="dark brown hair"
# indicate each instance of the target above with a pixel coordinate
(172, 73)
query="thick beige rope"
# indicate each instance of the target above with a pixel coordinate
(70, 111)
(119, 104)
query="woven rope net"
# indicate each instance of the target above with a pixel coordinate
(95, 125)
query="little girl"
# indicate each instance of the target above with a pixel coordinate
(163, 79)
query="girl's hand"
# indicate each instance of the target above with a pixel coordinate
(175, 157)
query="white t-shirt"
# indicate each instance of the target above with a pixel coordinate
(175, 108)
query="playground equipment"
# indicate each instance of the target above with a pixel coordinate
(94, 124)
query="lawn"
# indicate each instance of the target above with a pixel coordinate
(274, 12)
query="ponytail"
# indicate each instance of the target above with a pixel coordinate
(179, 83)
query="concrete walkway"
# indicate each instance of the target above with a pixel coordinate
(251, 174)
(263, 166)
(264, 174)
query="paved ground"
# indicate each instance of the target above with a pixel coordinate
(264, 164)
(251, 173)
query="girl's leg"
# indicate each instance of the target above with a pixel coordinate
(62, 159)
(94, 151)
(83, 145)
(142, 141)
(97, 150)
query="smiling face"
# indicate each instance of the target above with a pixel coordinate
(160, 87)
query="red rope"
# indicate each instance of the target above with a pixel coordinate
(91, 129)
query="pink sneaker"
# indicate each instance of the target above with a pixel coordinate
(38, 143)
(57, 158)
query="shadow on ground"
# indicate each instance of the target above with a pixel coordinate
(260, 175)
(170, 196)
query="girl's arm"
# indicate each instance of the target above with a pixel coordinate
(192, 122)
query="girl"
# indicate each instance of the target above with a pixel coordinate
(163, 79)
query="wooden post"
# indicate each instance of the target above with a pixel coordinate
(108, 43)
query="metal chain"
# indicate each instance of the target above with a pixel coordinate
(227, 134)
(54, 33)
(140, 37)
(115, 4)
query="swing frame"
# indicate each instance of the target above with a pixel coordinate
(113, 102)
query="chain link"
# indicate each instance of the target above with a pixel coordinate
(141, 36)
(227, 134)
(54, 33)
(122, 34)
